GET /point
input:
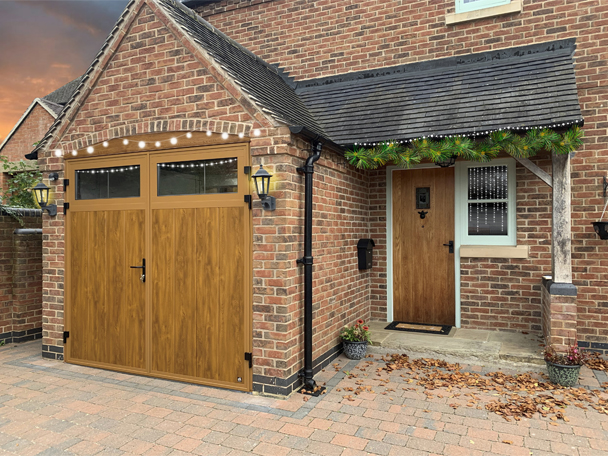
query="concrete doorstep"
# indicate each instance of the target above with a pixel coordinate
(460, 345)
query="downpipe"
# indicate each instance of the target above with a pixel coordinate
(308, 170)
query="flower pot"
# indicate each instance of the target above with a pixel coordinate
(563, 375)
(601, 229)
(354, 350)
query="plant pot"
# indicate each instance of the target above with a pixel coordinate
(601, 229)
(354, 350)
(563, 375)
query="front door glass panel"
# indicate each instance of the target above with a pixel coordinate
(198, 177)
(102, 183)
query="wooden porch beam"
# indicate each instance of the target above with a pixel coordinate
(536, 170)
(561, 234)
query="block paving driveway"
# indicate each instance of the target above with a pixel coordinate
(53, 408)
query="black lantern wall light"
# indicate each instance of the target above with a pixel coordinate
(262, 187)
(41, 195)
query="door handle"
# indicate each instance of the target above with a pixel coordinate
(451, 246)
(143, 269)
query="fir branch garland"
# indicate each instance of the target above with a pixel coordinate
(481, 150)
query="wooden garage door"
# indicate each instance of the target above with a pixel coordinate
(190, 319)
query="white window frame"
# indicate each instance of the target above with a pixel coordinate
(462, 7)
(462, 201)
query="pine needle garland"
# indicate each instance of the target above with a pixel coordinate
(481, 150)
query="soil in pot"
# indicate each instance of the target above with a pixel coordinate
(563, 375)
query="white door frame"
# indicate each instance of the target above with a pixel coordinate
(389, 241)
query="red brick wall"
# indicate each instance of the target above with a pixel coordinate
(185, 95)
(321, 38)
(20, 280)
(31, 130)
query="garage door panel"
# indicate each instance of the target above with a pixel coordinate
(162, 281)
(186, 302)
(231, 293)
(97, 282)
(133, 329)
(79, 264)
(208, 291)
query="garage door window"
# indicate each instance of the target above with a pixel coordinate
(198, 177)
(102, 183)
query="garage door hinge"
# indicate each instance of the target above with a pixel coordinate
(248, 200)
(66, 206)
(66, 182)
(249, 357)
(66, 334)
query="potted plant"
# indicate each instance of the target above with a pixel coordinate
(355, 339)
(564, 368)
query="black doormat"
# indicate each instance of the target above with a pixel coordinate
(443, 330)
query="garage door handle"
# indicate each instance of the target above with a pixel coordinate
(143, 269)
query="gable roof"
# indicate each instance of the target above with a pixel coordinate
(37, 101)
(529, 86)
(63, 94)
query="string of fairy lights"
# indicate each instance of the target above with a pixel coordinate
(173, 141)
(475, 134)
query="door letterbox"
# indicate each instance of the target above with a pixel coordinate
(365, 249)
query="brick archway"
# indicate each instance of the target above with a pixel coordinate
(159, 126)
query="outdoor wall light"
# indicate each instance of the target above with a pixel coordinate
(262, 187)
(41, 194)
(53, 176)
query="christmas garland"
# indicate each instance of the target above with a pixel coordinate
(482, 150)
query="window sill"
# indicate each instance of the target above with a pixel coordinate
(494, 251)
(455, 18)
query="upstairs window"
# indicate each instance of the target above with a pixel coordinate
(464, 6)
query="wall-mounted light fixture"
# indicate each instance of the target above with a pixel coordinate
(41, 194)
(262, 187)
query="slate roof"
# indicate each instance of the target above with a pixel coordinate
(63, 94)
(262, 82)
(56, 108)
(518, 87)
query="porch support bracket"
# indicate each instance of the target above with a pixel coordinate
(536, 170)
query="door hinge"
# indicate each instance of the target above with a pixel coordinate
(66, 334)
(247, 170)
(248, 200)
(249, 357)
(66, 182)
(66, 206)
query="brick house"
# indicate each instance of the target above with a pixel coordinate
(157, 140)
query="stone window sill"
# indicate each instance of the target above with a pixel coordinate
(494, 251)
(455, 18)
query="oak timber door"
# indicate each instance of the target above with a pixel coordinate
(188, 318)
(423, 267)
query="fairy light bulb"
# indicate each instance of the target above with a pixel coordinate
(173, 141)
(57, 152)
(241, 135)
(188, 135)
(90, 149)
(125, 141)
(256, 132)
(157, 143)
(74, 153)
(224, 135)
(141, 144)
(209, 133)
(104, 144)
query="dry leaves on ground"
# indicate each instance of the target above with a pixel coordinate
(521, 395)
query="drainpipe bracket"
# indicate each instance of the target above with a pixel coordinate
(305, 260)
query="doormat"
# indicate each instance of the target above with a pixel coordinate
(443, 330)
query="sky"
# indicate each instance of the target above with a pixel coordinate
(46, 43)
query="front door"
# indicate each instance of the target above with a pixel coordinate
(182, 215)
(423, 267)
